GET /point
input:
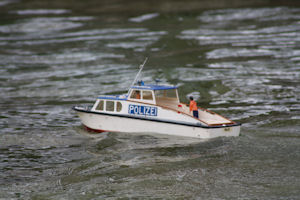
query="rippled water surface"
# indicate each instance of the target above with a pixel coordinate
(242, 61)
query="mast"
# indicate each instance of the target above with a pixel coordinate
(138, 74)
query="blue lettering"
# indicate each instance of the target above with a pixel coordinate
(131, 107)
(136, 110)
(142, 110)
(152, 111)
(147, 110)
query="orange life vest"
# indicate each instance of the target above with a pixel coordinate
(193, 105)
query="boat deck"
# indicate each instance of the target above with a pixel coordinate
(205, 116)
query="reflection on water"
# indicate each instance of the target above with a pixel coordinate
(241, 62)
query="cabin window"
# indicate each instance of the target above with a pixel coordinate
(166, 93)
(100, 105)
(119, 106)
(110, 106)
(147, 95)
(171, 93)
(136, 94)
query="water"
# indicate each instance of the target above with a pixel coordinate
(238, 59)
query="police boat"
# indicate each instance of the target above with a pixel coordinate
(153, 108)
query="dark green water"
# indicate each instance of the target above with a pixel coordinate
(239, 58)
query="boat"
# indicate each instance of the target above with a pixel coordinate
(156, 109)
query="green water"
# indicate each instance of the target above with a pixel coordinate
(238, 58)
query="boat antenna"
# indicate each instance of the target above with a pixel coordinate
(138, 74)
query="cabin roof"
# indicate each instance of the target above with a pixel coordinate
(139, 87)
(113, 97)
(154, 87)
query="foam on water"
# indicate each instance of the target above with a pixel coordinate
(144, 17)
(43, 25)
(41, 12)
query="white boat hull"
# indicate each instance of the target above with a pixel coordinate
(116, 123)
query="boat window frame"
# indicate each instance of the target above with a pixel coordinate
(164, 96)
(118, 105)
(114, 107)
(103, 106)
(153, 101)
(152, 95)
(133, 92)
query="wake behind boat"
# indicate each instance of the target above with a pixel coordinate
(153, 109)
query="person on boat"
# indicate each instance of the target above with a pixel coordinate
(193, 107)
(138, 95)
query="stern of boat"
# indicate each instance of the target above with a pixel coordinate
(226, 131)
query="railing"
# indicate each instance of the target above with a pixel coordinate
(87, 108)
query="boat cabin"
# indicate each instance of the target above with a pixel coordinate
(159, 95)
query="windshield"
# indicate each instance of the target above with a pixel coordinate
(166, 93)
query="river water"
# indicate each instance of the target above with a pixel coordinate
(239, 59)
